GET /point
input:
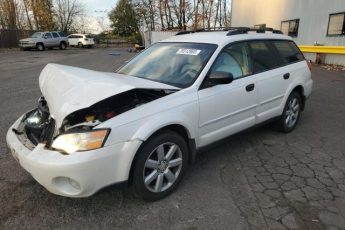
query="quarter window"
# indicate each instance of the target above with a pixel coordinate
(288, 51)
(290, 27)
(264, 56)
(336, 24)
(234, 59)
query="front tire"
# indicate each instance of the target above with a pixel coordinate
(292, 112)
(40, 47)
(62, 46)
(160, 166)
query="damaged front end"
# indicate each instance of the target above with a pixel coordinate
(36, 126)
(86, 119)
(39, 126)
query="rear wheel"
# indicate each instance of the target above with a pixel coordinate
(40, 47)
(160, 166)
(291, 113)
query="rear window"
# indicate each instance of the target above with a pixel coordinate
(288, 51)
(88, 36)
(264, 56)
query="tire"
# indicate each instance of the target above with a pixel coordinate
(62, 46)
(291, 114)
(161, 171)
(40, 47)
(80, 45)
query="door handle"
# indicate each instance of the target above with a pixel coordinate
(250, 87)
(286, 76)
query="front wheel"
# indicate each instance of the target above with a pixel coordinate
(291, 113)
(62, 46)
(160, 166)
(40, 47)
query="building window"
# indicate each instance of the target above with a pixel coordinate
(336, 24)
(260, 26)
(290, 27)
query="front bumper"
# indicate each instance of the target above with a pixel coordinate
(77, 175)
(27, 45)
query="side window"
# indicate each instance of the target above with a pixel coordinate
(55, 35)
(264, 57)
(48, 35)
(290, 27)
(288, 51)
(234, 59)
(62, 34)
(80, 36)
(336, 24)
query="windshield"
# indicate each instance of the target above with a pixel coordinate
(177, 64)
(36, 35)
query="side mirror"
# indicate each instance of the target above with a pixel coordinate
(219, 78)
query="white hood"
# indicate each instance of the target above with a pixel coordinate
(68, 89)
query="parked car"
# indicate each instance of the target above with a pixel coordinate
(81, 40)
(144, 124)
(43, 40)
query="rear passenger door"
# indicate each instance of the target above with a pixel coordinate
(273, 78)
(56, 39)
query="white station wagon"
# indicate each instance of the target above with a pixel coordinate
(144, 124)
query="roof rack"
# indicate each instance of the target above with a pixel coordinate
(212, 29)
(244, 30)
(231, 30)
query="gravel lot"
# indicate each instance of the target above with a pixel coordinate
(260, 179)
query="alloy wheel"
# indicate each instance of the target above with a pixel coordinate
(292, 112)
(162, 167)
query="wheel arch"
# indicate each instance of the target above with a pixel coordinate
(177, 128)
(300, 90)
(37, 43)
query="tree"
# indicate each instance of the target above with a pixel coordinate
(67, 11)
(123, 19)
(43, 14)
(8, 14)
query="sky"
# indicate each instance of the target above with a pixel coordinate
(97, 12)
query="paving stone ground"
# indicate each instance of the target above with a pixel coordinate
(259, 179)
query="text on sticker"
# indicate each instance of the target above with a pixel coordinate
(193, 52)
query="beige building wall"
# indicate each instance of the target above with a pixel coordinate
(313, 15)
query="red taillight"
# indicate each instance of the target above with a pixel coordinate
(309, 64)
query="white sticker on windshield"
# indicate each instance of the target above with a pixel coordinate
(193, 52)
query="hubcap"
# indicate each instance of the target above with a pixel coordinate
(162, 167)
(292, 113)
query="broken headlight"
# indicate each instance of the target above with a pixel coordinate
(81, 141)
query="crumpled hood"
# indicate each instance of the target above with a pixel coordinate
(68, 89)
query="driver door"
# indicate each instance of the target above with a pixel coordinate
(229, 108)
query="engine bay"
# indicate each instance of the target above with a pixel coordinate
(111, 107)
